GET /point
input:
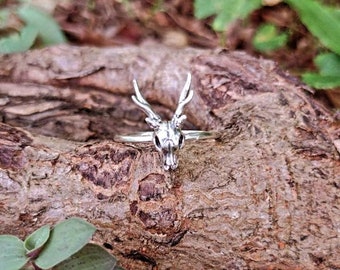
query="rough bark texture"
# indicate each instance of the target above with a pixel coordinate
(263, 196)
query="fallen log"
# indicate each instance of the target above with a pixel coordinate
(264, 195)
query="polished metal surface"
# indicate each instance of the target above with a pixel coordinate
(167, 136)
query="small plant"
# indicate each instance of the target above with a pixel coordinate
(268, 39)
(324, 23)
(329, 72)
(65, 247)
(226, 11)
(321, 20)
(38, 28)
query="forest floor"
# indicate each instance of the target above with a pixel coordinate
(115, 23)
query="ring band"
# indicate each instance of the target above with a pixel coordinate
(143, 137)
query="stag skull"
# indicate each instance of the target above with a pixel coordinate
(167, 135)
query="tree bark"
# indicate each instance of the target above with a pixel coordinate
(265, 195)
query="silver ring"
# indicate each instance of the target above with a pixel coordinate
(167, 136)
(147, 136)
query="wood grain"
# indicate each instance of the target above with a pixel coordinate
(263, 196)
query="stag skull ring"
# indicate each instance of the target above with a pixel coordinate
(167, 136)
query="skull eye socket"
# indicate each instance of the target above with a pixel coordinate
(181, 141)
(157, 142)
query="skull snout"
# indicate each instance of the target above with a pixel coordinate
(169, 157)
(168, 139)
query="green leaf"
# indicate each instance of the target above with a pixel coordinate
(66, 238)
(19, 42)
(267, 38)
(36, 240)
(328, 63)
(48, 29)
(13, 253)
(321, 81)
(329, 72)
(322, 21)
(90, 257)
(226, 11)
(204, 8)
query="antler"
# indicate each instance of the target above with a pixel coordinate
(153, 118)
(184, 98)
